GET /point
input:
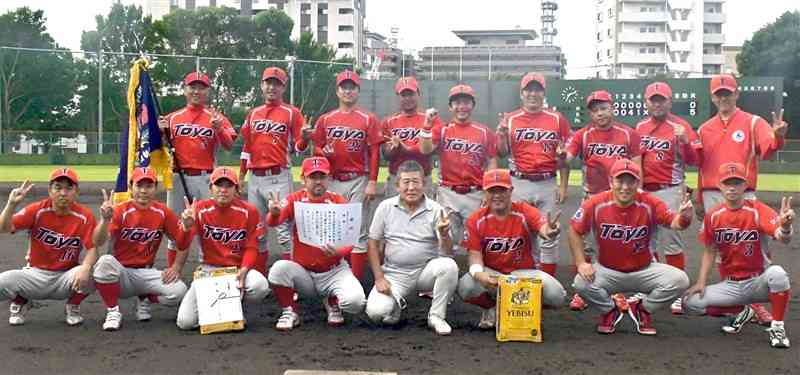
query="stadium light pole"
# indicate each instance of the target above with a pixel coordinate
(290, 60)
(100, 94)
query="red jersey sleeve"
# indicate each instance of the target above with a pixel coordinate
(491, 145)
(575, 143)
(766, 143)
(691, 149)
(663, 215)
(564, 128)
(375, 131)
(226, 134)
(173, 229)
(287, 212)
(255, 231)
(636, 143)
(534, 218)
(472, 237)
(583, 218)
(88, 229)
(767, 219)
(116, 221)
(245, 131)
(706, 236)
(296, 127)
(436, 133)
(24, 219)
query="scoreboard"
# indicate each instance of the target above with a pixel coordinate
(691, 99)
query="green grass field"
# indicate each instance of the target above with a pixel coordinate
(107, 173)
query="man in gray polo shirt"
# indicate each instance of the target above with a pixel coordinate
(417, 245)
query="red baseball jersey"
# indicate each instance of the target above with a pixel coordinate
(464, 150)
(743, 139)
(407, 128)
(740, 236)
(599, 149)
(137, 232)
(269, 133)
(622, 233)
(664, 158)
(353, 136)
(228, 235)
(55, 241)
(195, 139)
(310, 257)
(533, 139)
(506, 244)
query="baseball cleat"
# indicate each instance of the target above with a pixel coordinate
(143, 310)
(16, 316)
(439, 325)
(762, 315)
(777, 335)
(676, 307)
(737, 322)
(426, 294)
(488, 318)
(288, 320)
(335, 317)
(620, 301)
(73, 314)
(608, 321)
(577, 303)
(642, 319)
(113, 319)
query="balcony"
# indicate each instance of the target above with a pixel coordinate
(638, 17)
(714, 38)
(679, 25)
(642, 38)
(714, 17)
(680, 4)
(644, 58)
(679, 46)
(714, 59)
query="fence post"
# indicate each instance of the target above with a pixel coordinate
(290, 65)
(197, 64)
(100, 98)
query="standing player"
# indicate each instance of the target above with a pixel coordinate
(736, 136)
(350, 138)
(229, 230)
(466, 148)
(312, 270)
(622, 221)
(270, 132)
(500, 241)
(60, 228)
(416, 255)
(401, 133)
(736, 230)
(136, 228)
(599, 144)
(668, 146)
(195, 132)
(531, 136)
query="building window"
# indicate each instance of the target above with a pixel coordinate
(344, 45)
(608, 53)
(651, 50)
(598, 37)
(642, 49)
(512, 41)
(610, 13)
(642, 70)
(345, 10)
(609, 33)
(599, 17)
(345, 27)
(473, 42)
(598, 56)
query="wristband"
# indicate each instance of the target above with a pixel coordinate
(425, 134)
(475, 268)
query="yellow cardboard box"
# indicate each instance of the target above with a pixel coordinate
(519, 309)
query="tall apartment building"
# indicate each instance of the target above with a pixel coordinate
(490, 54)
(640, 38)
(338, 23)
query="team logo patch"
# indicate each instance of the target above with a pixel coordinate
(463, 146)
(405, 134)
(223, 235)
(578, 215)
(535, 135)
(193, 131)
(503, 245)
(57, 240)
(268, 126)
(141, 235)
(607, 150)
(738, 136)
(735, 236)
(345, 133)
(624, 233)
(655, 144)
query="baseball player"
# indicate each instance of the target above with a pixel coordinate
(668, 145)
(313, 271)
(229, 230)
(466, 148)
(415, 255)
(136, 228)
(500, 242)
(530, 137)
(599, 144)
(270, 133)
(195, 131)
(622, 221)
(350, 138)
(60, 229)
(735, 230)
(401, 134)
(736, 136)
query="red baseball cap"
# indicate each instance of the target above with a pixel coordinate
(532, 77)
(732, 170)
(598, 96)
(315, 164)
(461, 89)
(67, 173)
(658, 88)
(723, 82)
(497, 177)
(348, 75)
(274, 72)
(224, 173)
(406, 83)
(196, 77)
(625, 166)
(143, 173)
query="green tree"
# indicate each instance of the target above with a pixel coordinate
(36, 88)
(774, 50)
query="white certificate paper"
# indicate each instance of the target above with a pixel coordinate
(320, 224)
(218, 300)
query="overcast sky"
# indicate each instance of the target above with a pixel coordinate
(429, 22)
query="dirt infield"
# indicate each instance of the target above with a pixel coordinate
(684, 345)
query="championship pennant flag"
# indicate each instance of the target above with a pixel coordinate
(140, 140)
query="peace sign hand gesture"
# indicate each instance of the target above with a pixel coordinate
(187, 217)
(779, 126)
(18, 195)
(686, 208)
(274, 203)
(430, 114)
(216, 118)
(107, 207)
(502, 125)
(786, 214)
(680, 133)
(561, 150)
(443, 224)
(308, 129)
(553, 227)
